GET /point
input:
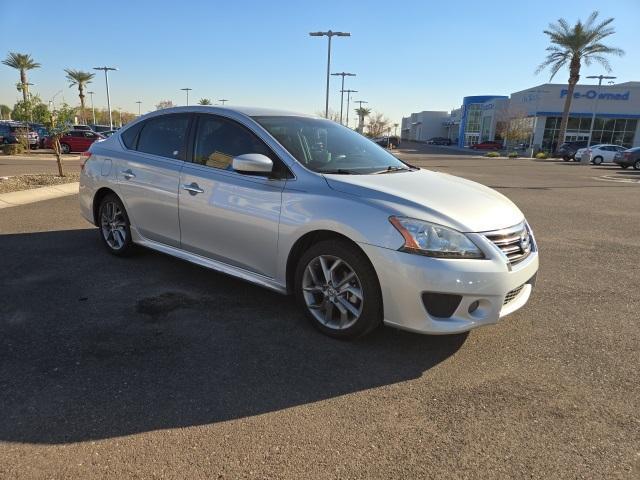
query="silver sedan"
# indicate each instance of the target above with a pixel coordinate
(305, 206)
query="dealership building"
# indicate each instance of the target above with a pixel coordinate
(485, 117)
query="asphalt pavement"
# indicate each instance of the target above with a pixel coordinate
(33, 162)
(149, 367)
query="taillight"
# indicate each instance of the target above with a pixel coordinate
(84, 157)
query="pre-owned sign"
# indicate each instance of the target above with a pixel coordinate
(592, 94)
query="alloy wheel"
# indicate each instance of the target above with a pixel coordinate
(332, 292)
(113, 225)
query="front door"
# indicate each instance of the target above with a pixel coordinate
(225, 215)
(149, 175)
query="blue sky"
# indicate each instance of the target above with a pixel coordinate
(408, 56)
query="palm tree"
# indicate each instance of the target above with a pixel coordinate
(362, 112)
(570, 46)
(81, 79)
(22, 62)
(204, 101)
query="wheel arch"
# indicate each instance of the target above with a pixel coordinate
(306, 241)
(97, 198)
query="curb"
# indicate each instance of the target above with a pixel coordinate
(23, 197)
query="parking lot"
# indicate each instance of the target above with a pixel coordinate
(150, 367)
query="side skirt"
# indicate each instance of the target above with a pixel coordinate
(221, 267)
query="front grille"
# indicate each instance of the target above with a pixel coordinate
(515, 242)
(512, 294)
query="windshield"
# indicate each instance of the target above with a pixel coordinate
(327, 147)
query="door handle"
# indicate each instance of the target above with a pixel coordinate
(128, 174)
(192, 188)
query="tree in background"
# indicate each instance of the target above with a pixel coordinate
(33, 110)
(362, 112)
(378, 124)
(204, 101)
(513, 127)
(570, 46)
(5, 112)
(162, 104)
(81, 79)
(61, 121)
(22, 62)
(333, 115)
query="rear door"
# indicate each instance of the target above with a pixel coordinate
(226, 215)
(148, 175)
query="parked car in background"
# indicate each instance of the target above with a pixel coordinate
(42, 132)
(567, 150)
(10, 132)
(76, 141)
(101, 128)
(628, 158)
(387, 141)
(108, 133)
(358, 236)
(489, 145)
(599, 153)
(84, 128)
(439, 141)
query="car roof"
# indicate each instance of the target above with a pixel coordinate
(249, 111)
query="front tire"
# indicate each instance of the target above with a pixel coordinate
(597, 160)
(339, 290)
(636, 165)
(114, 226)
(64, 148)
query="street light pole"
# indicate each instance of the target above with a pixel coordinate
(222, 100)
(535, 117)
(360, 102)
(329, 34)
(106, 80)
(139, 103)
(187, 90)
(342, 74)
(348, 92)
(595, 108)
(93, 110)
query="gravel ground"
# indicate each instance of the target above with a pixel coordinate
(150, 367)
(27, 182)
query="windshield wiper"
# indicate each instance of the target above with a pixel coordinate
(391, 169)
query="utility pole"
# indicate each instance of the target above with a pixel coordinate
(106, 80)
(93, 110)
(348, 92)
(222, 100)
(595, 108)
(187, 90)
(139, 103)
(342, 74)
(361, 123)
(329, 34)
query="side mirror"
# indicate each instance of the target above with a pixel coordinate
(252, 163)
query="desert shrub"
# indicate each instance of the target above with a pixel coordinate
(13, 149)
(513, 155)
(542, 155)
(492, 154)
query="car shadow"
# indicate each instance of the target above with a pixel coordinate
(94, 346)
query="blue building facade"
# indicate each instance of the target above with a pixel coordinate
(471, 118)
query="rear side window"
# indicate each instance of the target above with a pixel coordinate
(130, 135)
(164, 136)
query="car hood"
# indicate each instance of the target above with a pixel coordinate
(432, 196)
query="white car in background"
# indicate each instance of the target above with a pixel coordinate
(600, 153)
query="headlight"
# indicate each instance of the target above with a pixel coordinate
(434, 240)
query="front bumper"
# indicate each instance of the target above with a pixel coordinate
(405, 277)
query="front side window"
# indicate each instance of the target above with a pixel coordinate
(218, 140)
(164, 136)
(327, 147)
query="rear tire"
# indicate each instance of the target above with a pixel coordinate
(597, 160)
(636, 165)
(566, 158)
(114, 227)
(339, 290)
(64, 148)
